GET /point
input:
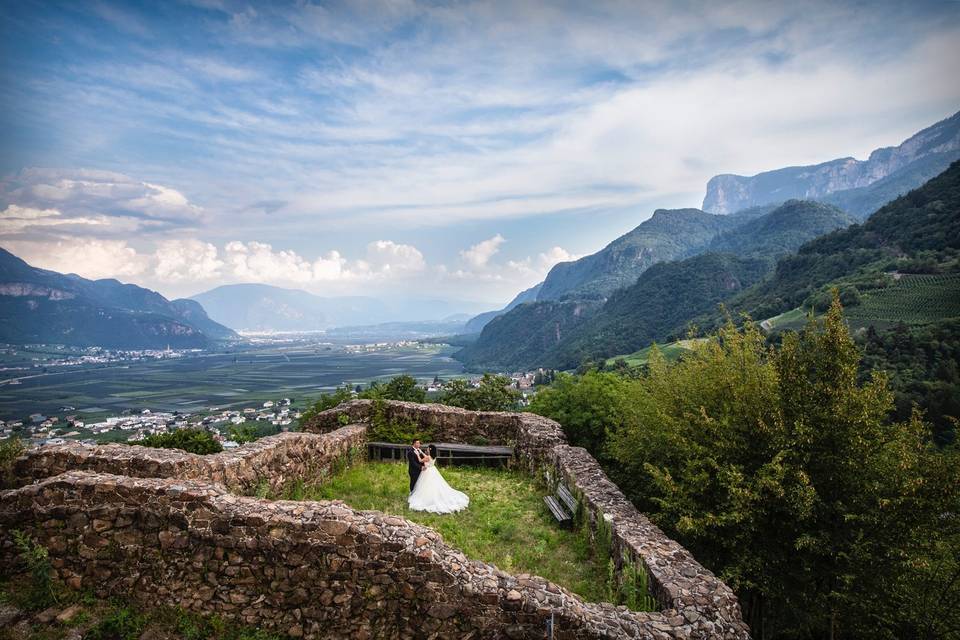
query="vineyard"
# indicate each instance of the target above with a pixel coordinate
(913, 299)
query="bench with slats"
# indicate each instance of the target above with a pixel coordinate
(567, 499)
(558, 512)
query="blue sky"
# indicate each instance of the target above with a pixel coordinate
(392, 147)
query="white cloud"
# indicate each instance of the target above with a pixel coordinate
(388, 257)
(258, 262)
(186, 260)
(106, 197)
(87, 257)
(479, 254)
(16, 219)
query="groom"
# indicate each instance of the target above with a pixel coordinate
(414, 463)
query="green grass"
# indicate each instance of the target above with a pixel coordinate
(671, 351)
(506, 524)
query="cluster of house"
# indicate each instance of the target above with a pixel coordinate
(99, 355)
(40, 429)
(279, 414)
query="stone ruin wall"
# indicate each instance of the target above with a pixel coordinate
(698, 604)
(322, 569)
(531, 436)
(276, 460)
(310, 569)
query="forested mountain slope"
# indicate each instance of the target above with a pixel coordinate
(667, 235)
(663, 299)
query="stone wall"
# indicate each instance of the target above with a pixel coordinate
(696, 603)
(321, 569)
(275, 460)
(316, 570)
(532, 436)
(690, 591)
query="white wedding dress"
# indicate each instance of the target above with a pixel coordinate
(433, 494)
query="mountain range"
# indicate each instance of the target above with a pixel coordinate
(844, 181)
(41, 306)
(561, 333)
(610, 307)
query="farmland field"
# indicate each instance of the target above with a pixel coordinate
(235, 379)
(912, 299)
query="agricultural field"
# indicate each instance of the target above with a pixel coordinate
(670, 351)
(243, 377)
(908, 298)
(912, 299)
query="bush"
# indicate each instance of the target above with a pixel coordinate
(10, 450)
(43, 591)
(402, 387)
(383, 429)
(243, 433)
(191, 440)
(495, 393)
(586, 406)
(781, 471)
(327, 401)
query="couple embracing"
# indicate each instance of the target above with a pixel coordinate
(428, 490)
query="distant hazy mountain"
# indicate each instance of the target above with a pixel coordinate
(261, 307)
(904, 167)
(40, 306)
(478, 322)
(408, 330)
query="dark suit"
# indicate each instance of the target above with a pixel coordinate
(414, 467)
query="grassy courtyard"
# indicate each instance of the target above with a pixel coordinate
(506, 524)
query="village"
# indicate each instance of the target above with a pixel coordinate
(133, 426)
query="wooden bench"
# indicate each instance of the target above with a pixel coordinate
(563, 506)
(448, 453)
(567, 499)
(563, 518)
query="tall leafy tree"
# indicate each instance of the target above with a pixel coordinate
(782, 472)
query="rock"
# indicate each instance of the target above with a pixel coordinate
(8, 615)
(69, 613)
(47, 615)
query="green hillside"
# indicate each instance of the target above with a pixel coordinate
(911, 299)
(782, 230)
(518, 339)
(916, 233)
(661, 301)
(667, 235)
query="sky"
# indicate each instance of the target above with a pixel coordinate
(402, 148)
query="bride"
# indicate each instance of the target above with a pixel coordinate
(432, 493)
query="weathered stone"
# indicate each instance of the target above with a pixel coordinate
(168, 531)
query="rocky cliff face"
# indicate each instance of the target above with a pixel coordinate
(728, 193)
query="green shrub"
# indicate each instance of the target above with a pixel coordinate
(402, 387)
(10, 450)
(495, 393)
(122, 623)
(327, 401)
(383, 429)
(191, 440)
(243, 433)
(43, 590)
